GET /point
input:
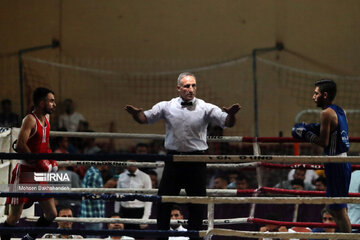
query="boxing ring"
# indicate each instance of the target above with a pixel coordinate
(214, 196)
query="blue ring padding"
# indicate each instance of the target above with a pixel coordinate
(81, 196)
(92, 157)
(101, 232)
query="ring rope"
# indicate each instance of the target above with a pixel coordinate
(302, 166)
(162, 137)
(205, 222)
(281, 235)
(154, 191)
(100, 232)
(189, 233)
(182, 158)
(210, 192)
(139, 221)
(194, 200)
(297, 224)
(150, 165)
(209, 165)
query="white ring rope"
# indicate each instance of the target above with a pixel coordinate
(210, 192)
(150, 165)
(265, 158)
(261, 200)
(138, 221)
(281, 235)
(136, 136)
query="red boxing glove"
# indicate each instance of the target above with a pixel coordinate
(54, 165)
(43, 166)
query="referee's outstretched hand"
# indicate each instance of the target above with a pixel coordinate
(233, 109)
(137, 113)
(132, 110)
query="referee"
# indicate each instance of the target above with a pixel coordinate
(187, 119)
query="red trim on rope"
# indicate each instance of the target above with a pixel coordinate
(296, 224)
(299, 165)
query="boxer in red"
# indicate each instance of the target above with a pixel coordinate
(33, 138)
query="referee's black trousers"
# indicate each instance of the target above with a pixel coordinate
(177, 175)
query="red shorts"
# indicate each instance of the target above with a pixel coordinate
(19, 177)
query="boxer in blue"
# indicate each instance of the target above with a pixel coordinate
(332, 135)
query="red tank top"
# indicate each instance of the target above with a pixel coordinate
(39, 141)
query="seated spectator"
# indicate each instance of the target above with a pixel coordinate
(90, 146)
(241, 182)
(75, 183)
(63, 212)
(154, 178)
(221, 182)
(354, 209)
(272, 227)
(298, 174)
(117, 226)
(309, 177)
(133, 177)
(93, 208)
(7, 117)
(320, 184)
(177, 215)
(297, 184)
(63, 146)
(232, 176)
(70, 119)
(326, 218)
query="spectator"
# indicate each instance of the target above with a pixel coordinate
(232, 176)
(63, 146)
(221, 182)
(297, 184)
(354, 209)
(70, 119)
(63, 212)
(326, 218)
(154, 178)
(272, 227)
(93, 208)
(320, 184)
(133, 177)
(177, 215)
(309, 177)
(117, 226)
(298, 174)
(7, 117)
(75, 183)
(241, 182)
(90, 146)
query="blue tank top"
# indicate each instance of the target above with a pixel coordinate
(339, 139)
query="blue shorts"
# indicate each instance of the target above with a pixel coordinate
(338, 177)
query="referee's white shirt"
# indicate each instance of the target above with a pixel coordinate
(141, 180)
(186, 126)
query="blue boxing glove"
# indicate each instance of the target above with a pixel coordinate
(306, 132)
(298, 130)
(314, 128)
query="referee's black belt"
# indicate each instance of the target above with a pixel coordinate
(172, 152)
